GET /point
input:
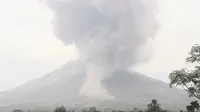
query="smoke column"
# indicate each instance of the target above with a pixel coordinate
(109, 35)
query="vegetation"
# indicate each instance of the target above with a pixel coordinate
(189, 80)
(154, 106)
(17, 110)
(194, 105)
(60, 109)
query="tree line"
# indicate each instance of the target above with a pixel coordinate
(188, 79)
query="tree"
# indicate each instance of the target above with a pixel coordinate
(194, 105)
(135, 110)
(164, 111)
(189, 80)
(17, 110)
(60, 109)
(92, 109)
(154, 106)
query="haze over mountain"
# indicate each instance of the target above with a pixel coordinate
(111, 36)
(62, 87)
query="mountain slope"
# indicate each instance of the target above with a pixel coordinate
(62, 87)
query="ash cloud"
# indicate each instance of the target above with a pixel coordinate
(109, 35)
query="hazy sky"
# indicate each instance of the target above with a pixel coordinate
(28, 50)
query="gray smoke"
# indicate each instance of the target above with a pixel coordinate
(109, 35)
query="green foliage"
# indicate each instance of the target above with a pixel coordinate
(17, 110)
(194, 105)
(136, 110)
(60, 109)
(154, 106)
(92, 109)
(189, 80)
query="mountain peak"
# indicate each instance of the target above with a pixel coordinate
(62, 87)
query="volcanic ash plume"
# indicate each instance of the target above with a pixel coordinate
(107, 33)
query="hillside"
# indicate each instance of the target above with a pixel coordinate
(62, 87)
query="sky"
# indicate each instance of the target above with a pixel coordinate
(29, 50)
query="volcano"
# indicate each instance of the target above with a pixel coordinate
(61, 87)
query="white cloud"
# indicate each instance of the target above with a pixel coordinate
(28, 48)
(179, 30)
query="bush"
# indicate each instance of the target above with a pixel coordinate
(60, 109)
(17, 110)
